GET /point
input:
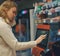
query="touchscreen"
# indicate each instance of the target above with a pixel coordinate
(44, 43)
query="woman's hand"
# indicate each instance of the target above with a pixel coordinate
(40, 38)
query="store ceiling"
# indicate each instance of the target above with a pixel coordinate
(23, 4)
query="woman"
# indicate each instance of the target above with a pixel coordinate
(8, 42)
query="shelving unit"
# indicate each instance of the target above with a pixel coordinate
(47, 13)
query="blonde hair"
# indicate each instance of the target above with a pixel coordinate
(5, 6)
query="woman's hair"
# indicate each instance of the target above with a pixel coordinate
(5, 6)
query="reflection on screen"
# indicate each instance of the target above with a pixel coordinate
(39, 32)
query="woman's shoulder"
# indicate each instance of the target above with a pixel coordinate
(2, 22)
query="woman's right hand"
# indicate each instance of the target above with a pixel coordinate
(40, 38)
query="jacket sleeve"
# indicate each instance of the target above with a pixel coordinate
(10, 39)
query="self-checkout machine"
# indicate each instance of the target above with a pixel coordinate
(42, 28)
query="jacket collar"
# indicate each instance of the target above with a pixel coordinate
(2, 19)
(11, 25)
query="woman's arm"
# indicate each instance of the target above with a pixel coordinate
(11, 40)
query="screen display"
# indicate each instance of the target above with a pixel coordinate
(44, 43)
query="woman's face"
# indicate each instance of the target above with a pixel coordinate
(11, 13)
